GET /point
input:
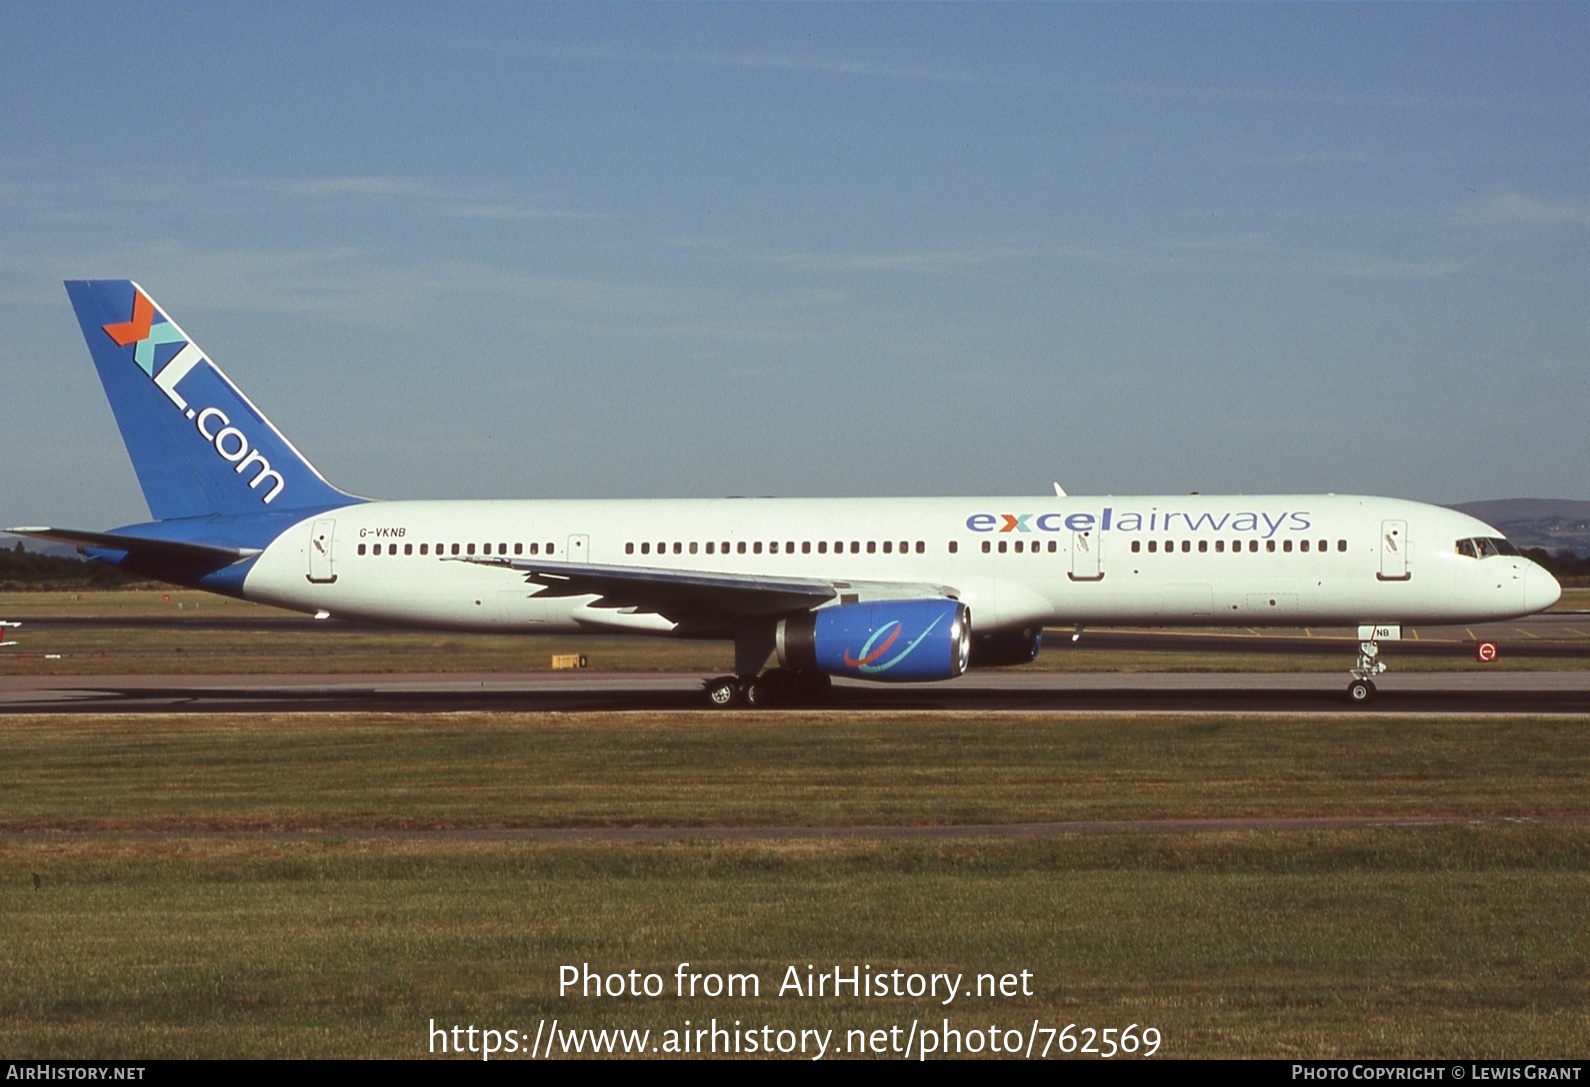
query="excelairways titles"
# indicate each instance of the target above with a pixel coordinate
(1111, 520)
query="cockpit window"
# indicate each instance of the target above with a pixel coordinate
(1483, 547)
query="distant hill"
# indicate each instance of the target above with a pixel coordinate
(1554, 525)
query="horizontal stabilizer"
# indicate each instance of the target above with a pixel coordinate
(166, 551)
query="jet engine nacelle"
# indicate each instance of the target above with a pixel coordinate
(1003, 647)
(891, 641)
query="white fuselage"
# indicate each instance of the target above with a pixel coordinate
(1154, 561)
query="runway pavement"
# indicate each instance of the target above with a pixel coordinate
(1469, 692)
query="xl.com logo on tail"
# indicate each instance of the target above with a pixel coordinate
(147, 330)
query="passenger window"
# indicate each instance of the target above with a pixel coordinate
(425, 549)
(408, 549)
(987, 547)
(535, 549)
(872, 547)
(1220, 547)
(1341, 545)
(888, 547)
(1186, 546)
(1302, 545)
(629, 549)
(376, 550)
(469, 549)
(739, 548)
(756, 548)
(361, 549)
(806, 547)
(692, 547)
(855, 547)
(1203, 546)
(1253, 545)
(772, 548)
(645, 547)
(1286, 545)
(1153, 547)
(709, 547)
(1004, 545)
(1019, 547)
(822, 547)
(1137, 545)
(954, 546)
(1269, 545)
(679, 548)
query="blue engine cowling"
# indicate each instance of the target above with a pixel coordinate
(891, 641)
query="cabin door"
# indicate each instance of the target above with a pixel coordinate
(320, 533)
(1085, 557)
(1394, 551)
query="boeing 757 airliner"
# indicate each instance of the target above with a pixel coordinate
(890, 589)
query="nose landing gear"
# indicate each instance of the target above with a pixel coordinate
(1362, 688)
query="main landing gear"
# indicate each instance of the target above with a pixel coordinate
(1362, 688)
(774, 687)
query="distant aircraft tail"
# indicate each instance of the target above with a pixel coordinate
(198, 445)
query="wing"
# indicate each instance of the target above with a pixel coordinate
(686, 595)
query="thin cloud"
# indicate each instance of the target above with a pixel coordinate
(510, 213)
(1506, 209)
(775, 62)
(342, 186)
(930, 261)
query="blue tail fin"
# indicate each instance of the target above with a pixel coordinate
(199, 447)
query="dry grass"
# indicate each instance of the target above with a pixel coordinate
(479, 770)
(140, 937)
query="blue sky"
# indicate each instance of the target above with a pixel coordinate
(614, 250)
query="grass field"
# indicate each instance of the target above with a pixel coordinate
(326, 885)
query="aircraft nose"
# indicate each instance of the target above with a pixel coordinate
(1541, 590)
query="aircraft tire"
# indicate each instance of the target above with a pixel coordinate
(723, 692)
(813, 687)
(1360, 692)
(759, 694)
